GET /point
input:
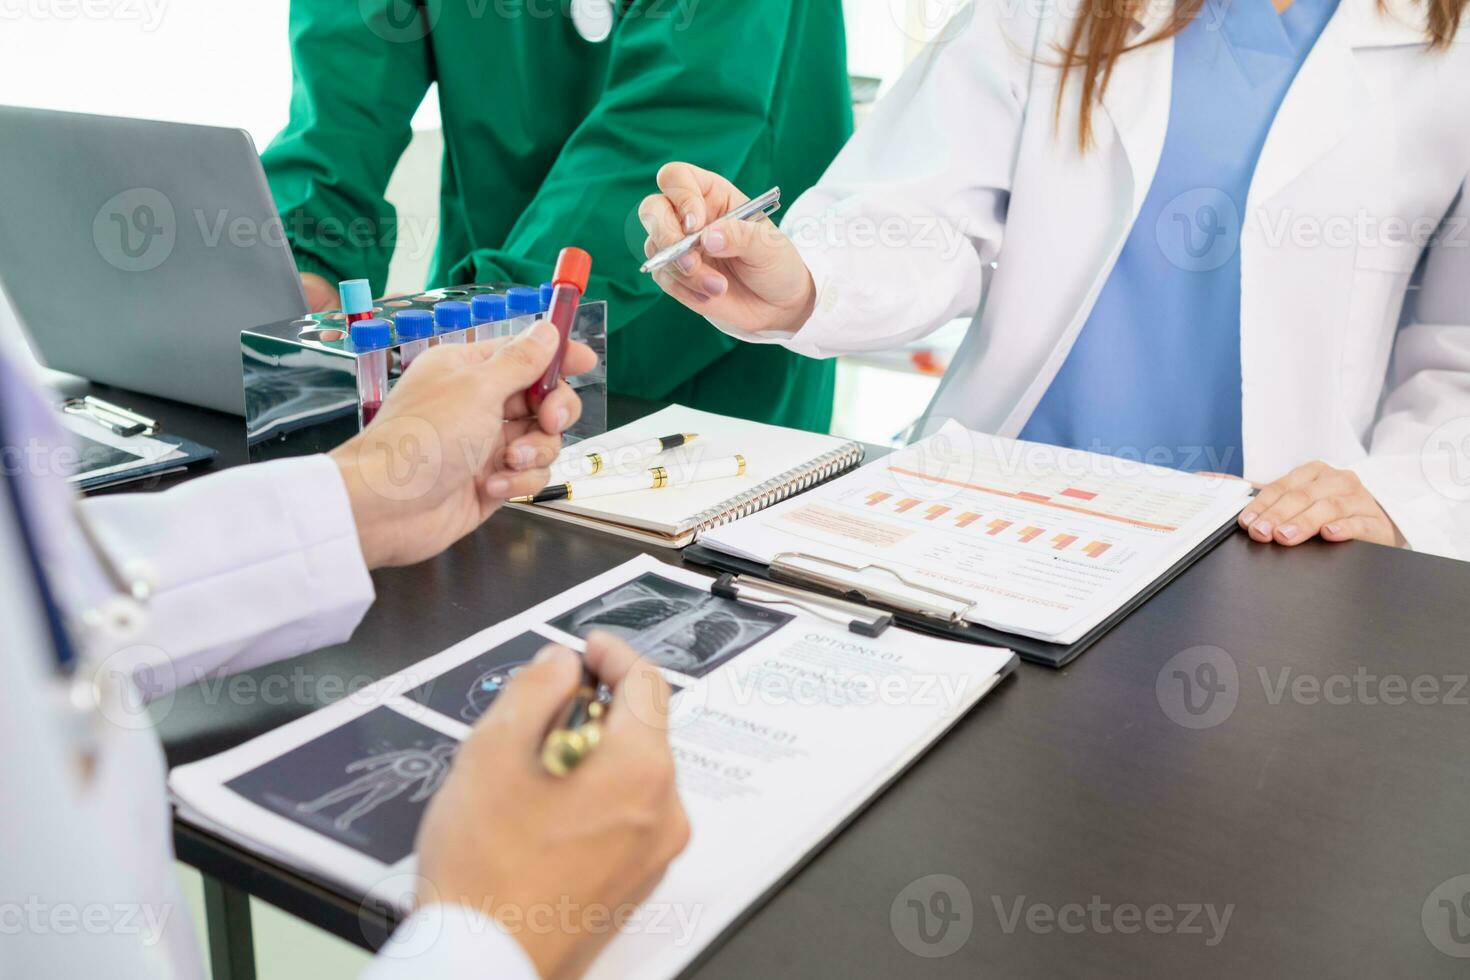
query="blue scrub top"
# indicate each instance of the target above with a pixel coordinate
(1155, 372)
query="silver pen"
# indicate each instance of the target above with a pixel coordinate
(754, 209)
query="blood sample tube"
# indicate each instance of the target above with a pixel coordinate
(370, 341)
(357, 299)
(547, 288)
(452, 321)
(487, 312)
(523, 306)
(573, 267)
(414, 327)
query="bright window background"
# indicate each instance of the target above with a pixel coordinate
(221, 63)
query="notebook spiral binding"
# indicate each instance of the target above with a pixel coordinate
(779, 487)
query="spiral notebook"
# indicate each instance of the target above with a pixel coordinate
(780, 463)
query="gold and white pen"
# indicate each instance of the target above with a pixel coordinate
(594, 464)
(653, 478)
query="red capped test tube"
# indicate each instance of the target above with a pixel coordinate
(370, 342)
(357, 299)
(573, 269)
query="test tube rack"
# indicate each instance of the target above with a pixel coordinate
(301, 375)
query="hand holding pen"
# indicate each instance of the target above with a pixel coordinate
(502, 829)
(747, 274)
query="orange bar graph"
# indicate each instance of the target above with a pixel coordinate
(907, 504)
(1030, 534)
(935, 512)
(996, 526)
(874, 499)
(1096, 549)
(1062, 540)
(966, 519)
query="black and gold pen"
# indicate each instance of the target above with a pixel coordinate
(568, 744)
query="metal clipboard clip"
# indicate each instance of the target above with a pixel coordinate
(114, 418)
(858, 619)
(847, 582)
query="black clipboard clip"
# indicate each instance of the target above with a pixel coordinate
(858, 619)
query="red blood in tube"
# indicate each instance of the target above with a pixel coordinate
(573, 269)
(370, 412)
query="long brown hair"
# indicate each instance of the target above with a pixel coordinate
(1100, 37)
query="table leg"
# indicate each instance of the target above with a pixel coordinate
(231, 938)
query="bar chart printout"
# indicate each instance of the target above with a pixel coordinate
(1046, 542)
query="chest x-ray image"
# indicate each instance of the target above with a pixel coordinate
(674, 625)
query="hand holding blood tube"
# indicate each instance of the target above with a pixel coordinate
(573, 268)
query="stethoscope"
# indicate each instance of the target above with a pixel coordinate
(81, 687)
(594, 19)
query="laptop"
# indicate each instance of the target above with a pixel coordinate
(134, 252)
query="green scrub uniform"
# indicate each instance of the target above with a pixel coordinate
(551, 140)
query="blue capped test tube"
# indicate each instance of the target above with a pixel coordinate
(523, 306)
(370, 341)
(415, 327)
(487, 312)
(548, 290)
(452, 321)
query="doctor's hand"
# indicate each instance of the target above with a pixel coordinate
(748, 276)
(440, 458)
(1317, 499)
(321, 295)
(559, 863)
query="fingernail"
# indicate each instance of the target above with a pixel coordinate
(1289, 531)
(1334, 529)
(686, 262)
(551, 654)
(1248, 518)
(497, 486)
(714, 240)
(713, 285)
(544, 334)
(562, 420)
(1264, 528)
(521, 456)
(690, 221)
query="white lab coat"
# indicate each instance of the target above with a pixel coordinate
(934, 211)
(248, 566)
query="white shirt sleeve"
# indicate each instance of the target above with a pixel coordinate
(901, 232)
(248, 567)
(449, 941)
(1418, 465)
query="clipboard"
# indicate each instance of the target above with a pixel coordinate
(941, 618)
(114, 443)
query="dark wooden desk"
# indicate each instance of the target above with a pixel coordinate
(1322, 816)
